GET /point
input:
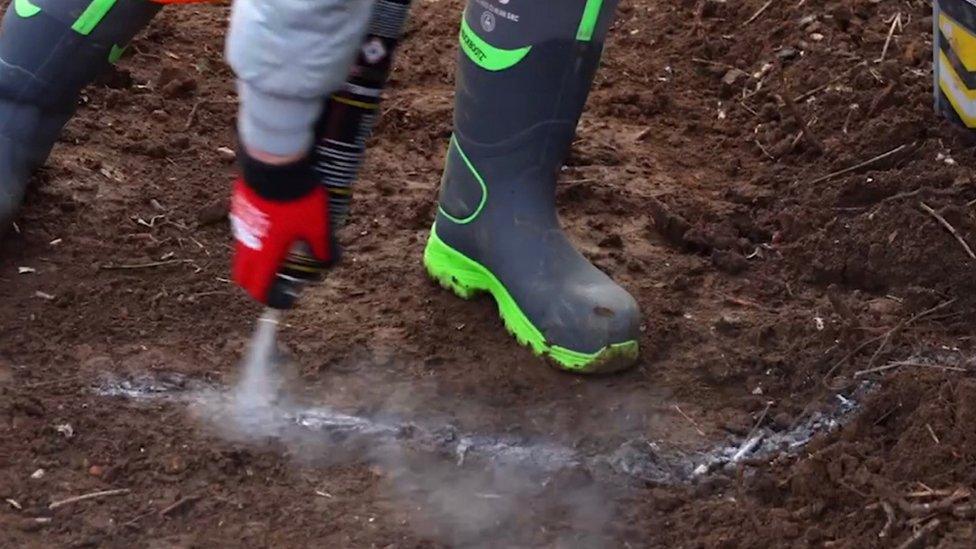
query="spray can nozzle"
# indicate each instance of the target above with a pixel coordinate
(283, 293)
(299, 269)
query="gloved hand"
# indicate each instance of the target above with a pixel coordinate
(280, 219)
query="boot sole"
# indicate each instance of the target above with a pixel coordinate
(467, 278)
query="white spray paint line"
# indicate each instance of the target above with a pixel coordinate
(637, 459)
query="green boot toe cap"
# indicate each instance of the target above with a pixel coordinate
(612, 318)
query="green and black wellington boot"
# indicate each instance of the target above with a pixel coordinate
(49, 51)
(524, 74)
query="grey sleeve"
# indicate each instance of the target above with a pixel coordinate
(288, 56)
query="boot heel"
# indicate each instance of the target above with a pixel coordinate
(452, 270)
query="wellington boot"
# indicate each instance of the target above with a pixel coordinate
(525, 71)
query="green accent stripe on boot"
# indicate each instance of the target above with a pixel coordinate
(485, 55)
(116, 53)
(26, 8)
(92, 16)
(481, 181)
(467, 278)
(591, 14)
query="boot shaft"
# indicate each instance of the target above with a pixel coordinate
(524, 74)
(526, 64)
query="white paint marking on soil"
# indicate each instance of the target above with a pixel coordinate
(255, 411)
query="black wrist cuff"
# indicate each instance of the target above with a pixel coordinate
(280, 183)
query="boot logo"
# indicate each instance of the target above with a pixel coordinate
(488, 21)
(485, 55)
(501, 12)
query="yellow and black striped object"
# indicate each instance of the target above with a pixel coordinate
(955, 60)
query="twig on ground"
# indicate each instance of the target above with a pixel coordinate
(881, 419)
(759, 12)
(801, 122)
(68, 379)
(936, 366)
(85, 497)
(927, 509)
(192, 116)
(853, 490)
(890, 519)
(754, 437)
(136, 519)
(144, 265)
(701, 61)
(902, 325)
(693, 423)
(747, 447)
(810, 93)
(884, 338)
(918, 539)
(850, 114)
(900, 363)
(932, 432)
(188, 500)
(748, 109)
(878, 369)
(900, 196)
(927, 492)
(949, 227)
(862, 165)
(848, 356)
(193, 297)
(762, 417)
(895, 23)
(764, 151)
(964, 511)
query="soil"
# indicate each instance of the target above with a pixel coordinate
(770, 279)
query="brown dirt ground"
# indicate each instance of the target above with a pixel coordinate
(690, 182)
